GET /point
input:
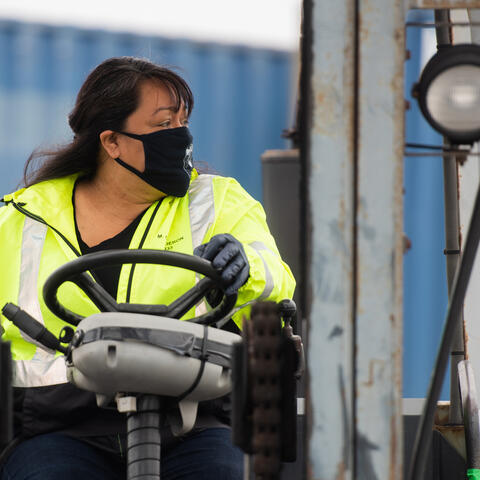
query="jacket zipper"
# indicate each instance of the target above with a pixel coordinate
(140, 245)
(19, 207)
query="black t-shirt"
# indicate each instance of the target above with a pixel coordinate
(108, 276)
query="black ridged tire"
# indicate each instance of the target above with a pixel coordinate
(264, 365)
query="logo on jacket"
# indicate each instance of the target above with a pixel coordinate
(188, 159)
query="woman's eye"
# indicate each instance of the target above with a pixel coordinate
(185, 123)
(166, 123)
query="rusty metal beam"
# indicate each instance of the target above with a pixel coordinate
(354, 179)
(330, 198)
(379, 219)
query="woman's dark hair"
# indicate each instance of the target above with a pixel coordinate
(108, 96)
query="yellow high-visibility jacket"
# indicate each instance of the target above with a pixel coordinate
(37, 235)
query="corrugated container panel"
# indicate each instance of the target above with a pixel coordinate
(425, 284)
(242, 95)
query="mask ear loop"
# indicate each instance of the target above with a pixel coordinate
(129, 167)
(132, 135)
(126, 165)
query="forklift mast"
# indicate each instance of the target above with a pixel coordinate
(347, 195)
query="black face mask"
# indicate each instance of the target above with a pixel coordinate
(168, 160)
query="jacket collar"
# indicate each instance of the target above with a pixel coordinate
(51, 200)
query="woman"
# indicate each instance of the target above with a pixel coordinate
(125, 181)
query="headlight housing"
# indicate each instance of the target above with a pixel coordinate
(448, 92)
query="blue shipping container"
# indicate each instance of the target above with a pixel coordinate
(242, 99)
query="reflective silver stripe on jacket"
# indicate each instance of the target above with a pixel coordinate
(39, 372)
(43, 369)
(201, 207)
(258, 247)
(202, 215)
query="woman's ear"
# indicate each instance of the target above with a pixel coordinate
(108, 140)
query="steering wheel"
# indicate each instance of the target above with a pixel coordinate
(76, 272)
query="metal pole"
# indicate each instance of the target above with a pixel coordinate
(452, 252)
(452, 237)
(442, 30)
(462, 277)
(327, 129)
(379, 239)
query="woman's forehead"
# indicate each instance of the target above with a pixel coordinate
(156, 96)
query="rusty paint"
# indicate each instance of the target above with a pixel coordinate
(371, 371)
(458, 182)
(327, 119)
(461, 158)
(341, 471)
(320, 98)
(465, 338)
(442, 413)
(407, 244)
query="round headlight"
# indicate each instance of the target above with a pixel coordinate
(449, 92)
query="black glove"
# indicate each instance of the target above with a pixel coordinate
(227, 255)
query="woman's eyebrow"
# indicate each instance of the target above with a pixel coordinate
(173, 108)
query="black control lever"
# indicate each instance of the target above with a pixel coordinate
(288, 312)
(33, 328)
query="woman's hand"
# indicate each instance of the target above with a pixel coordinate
(227, 255)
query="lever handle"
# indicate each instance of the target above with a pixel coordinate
(33, 328)
(288, 309)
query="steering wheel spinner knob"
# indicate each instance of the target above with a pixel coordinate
(74, 343)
